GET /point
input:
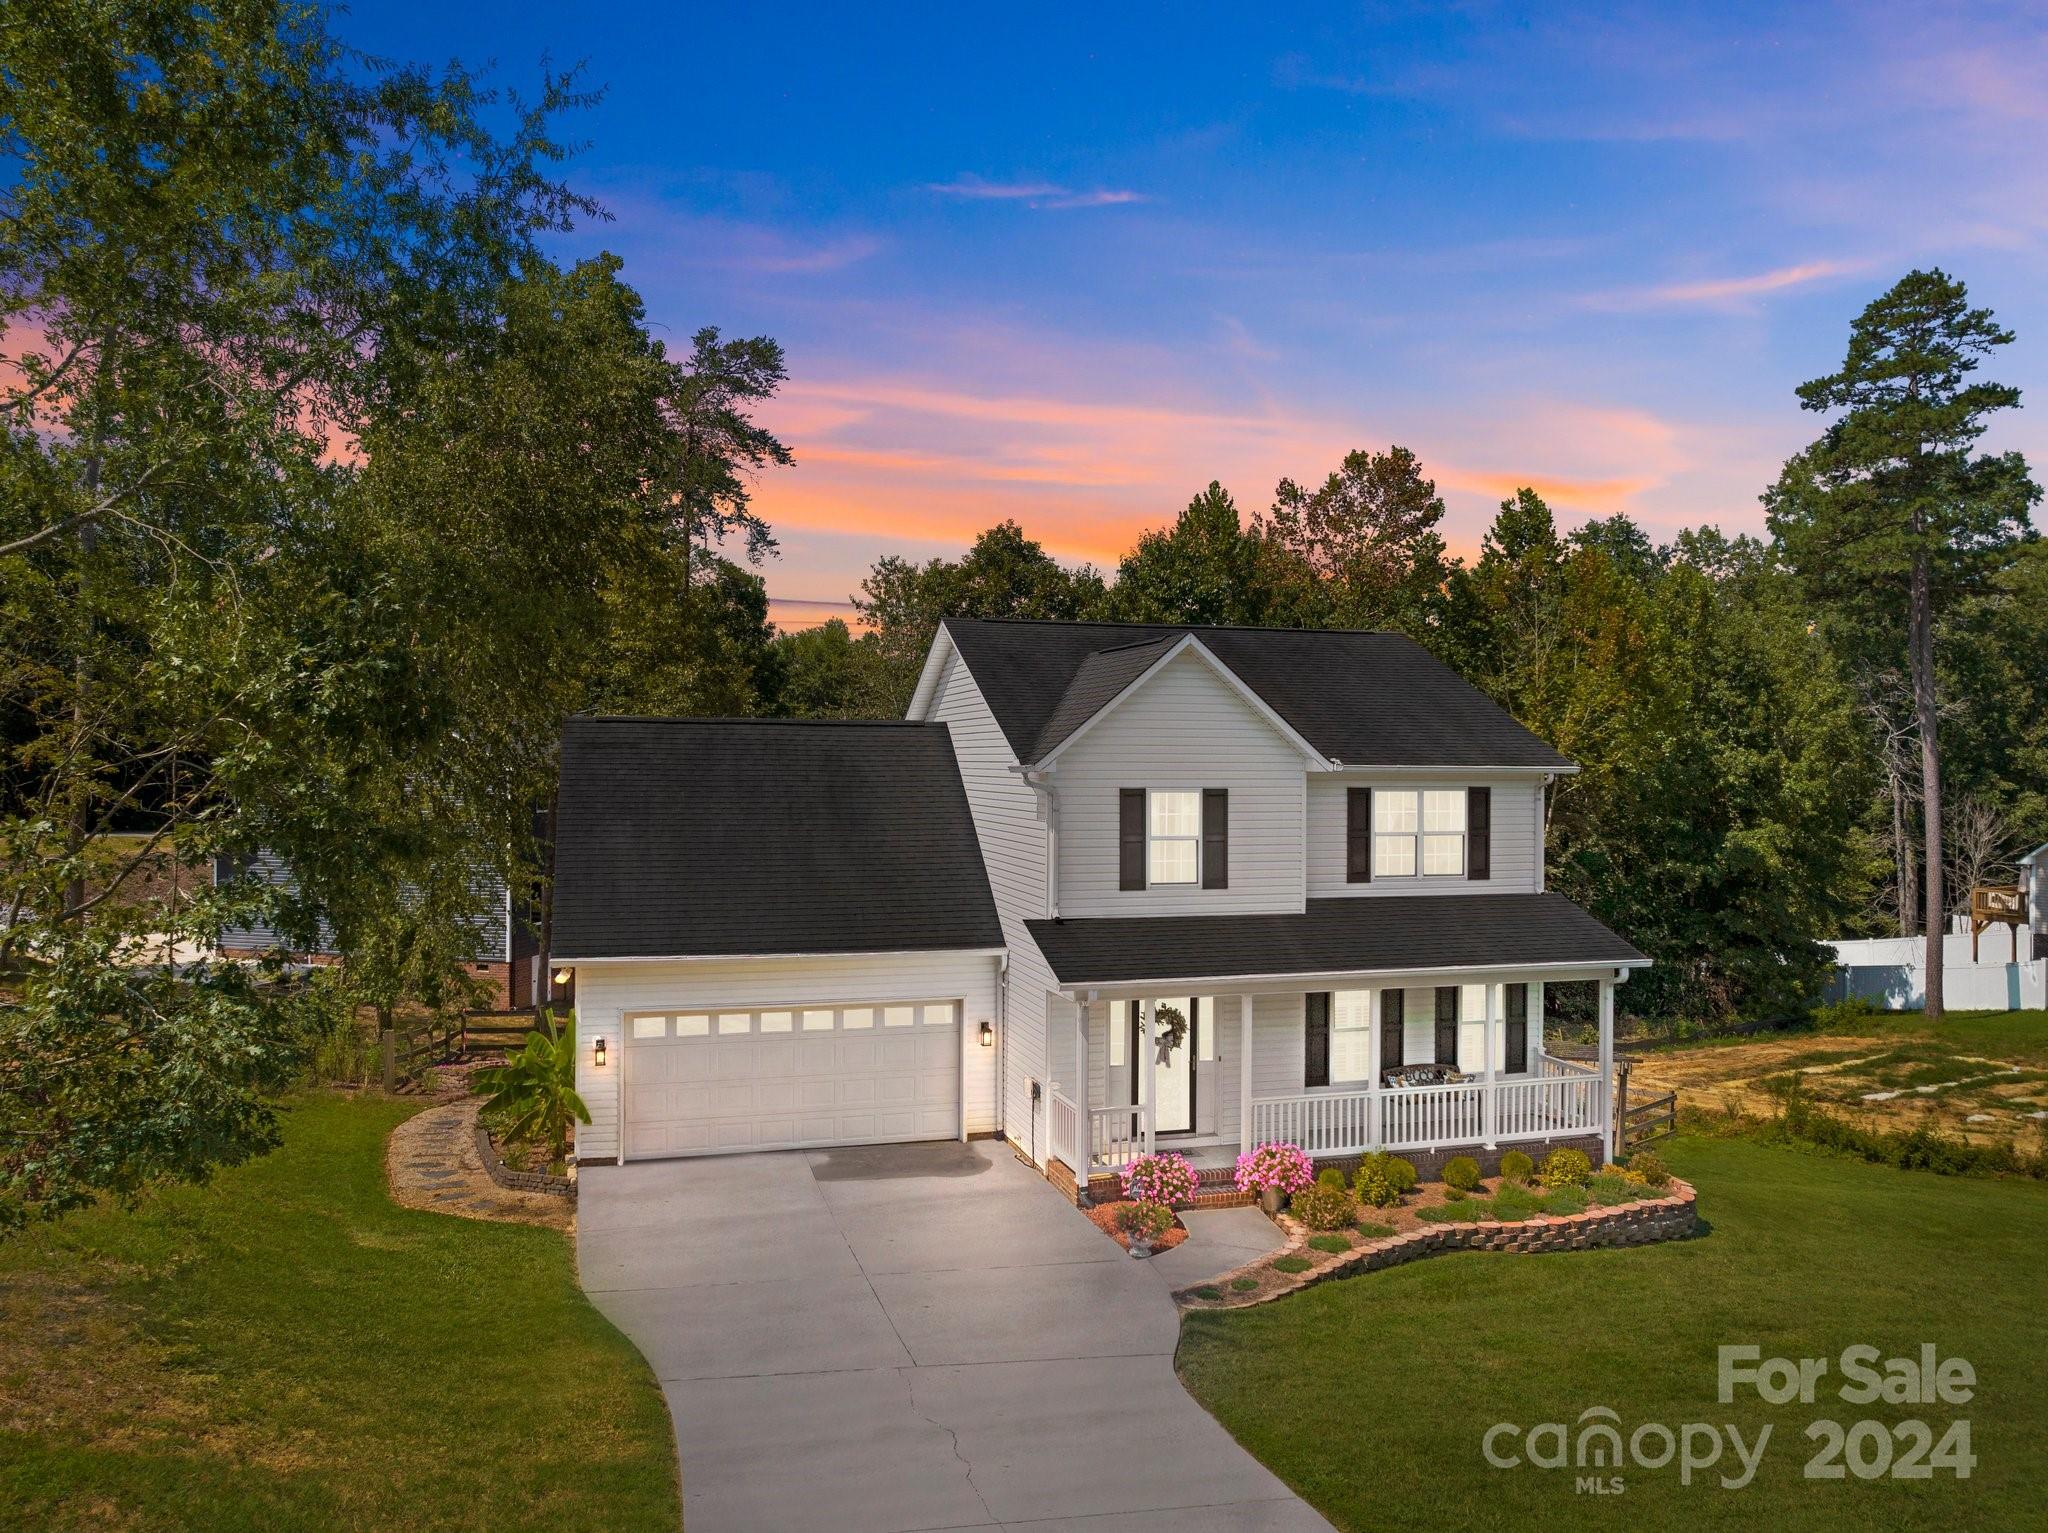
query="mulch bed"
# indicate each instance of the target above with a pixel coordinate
(1104, 1216)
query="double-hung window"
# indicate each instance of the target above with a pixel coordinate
(1418, 831)
(1173, 837)
(1350, 1036)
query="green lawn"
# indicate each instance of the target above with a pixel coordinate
(1371, 1395)
(288, 1349)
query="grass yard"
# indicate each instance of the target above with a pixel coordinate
(287, 1349)
(1371, 1395)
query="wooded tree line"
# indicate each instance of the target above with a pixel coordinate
(325, 495)
(1833, 730)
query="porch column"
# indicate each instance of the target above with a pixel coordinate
(1084, 1126)
(1244, 1072)
(1490, 1097)
(1148, 1077)
(1606, 1088)
(1372, 1068)
(1534, 1064)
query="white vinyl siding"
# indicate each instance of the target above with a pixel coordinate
(1184, 728)
(737, 994)
(1517, 840)
(1013, 848)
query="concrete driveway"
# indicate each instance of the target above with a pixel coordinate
(899, 1337)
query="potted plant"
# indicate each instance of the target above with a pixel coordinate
(1169, 1180)
(1274, 1170)
(1142, 1224)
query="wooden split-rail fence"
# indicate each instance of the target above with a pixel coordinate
(411, 1049)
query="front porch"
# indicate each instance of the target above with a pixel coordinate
(1339, 1073)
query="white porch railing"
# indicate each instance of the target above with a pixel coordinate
(1116, 1135)
(1547, 1105)
(1325, 1123)
(1063, 1125)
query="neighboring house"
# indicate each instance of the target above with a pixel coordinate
(2000, 969)
(506, 957)
(1240, 885)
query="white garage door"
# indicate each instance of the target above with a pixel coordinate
(795, 1077)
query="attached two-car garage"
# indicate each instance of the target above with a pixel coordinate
(790, 1077)
(782, 934)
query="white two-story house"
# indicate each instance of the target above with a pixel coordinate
(1108, 888)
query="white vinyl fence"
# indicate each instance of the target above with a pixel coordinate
(1890, 972)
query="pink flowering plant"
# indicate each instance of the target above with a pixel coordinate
(1276, 1165)
(1163, 1179)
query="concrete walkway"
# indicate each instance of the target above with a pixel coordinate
(909, 1337)
(1218, 1240)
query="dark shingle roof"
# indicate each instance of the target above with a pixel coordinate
(709, 836)
(1365, 699)
(1099, 678)
(1367, 935)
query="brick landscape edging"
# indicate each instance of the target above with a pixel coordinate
(1669, 1217)
(519, 1181)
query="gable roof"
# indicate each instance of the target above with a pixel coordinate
(1361, 699)
(1384, 934)
(709, 837)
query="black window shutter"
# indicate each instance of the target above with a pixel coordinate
(1131, 838)
(1518, 1029)
(1315, 1069)
(1358, 835)
(1393, 1014)
(1479, 832)
(1215, 838)
(1447, 1024)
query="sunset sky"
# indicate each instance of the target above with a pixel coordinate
(1069, 266)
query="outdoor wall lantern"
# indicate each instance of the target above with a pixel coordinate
(600, 1053)
(562, 976)
(988, 1034)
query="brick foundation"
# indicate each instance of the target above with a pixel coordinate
(1671, 1216)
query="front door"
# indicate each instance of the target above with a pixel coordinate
(1172, 1058)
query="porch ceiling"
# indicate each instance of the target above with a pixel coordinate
(1382, 935)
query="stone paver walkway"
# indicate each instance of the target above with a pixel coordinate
(431, 1162)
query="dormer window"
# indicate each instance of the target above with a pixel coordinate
(1421, 831)
(1173, 839)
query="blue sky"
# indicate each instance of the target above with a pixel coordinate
(1068, 267)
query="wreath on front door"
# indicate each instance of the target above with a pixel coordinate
(1169, 1031)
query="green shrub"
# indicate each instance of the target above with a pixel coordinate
(1324, 1207)
(1455, 1194)
(1513, 1203)
(1647, 1167)
(1400, 1173)
(1330, 1176)
(1517, 1167)
(1461, 1172)
(1144, 1221)
(1609, 1189)
(1290, 1264)
(1565, 1167)
(1375, 1188)
(1334, 1245)
(1244, 1285)
(1565, 1200)
(1367, 1230)
(1210, 1292)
